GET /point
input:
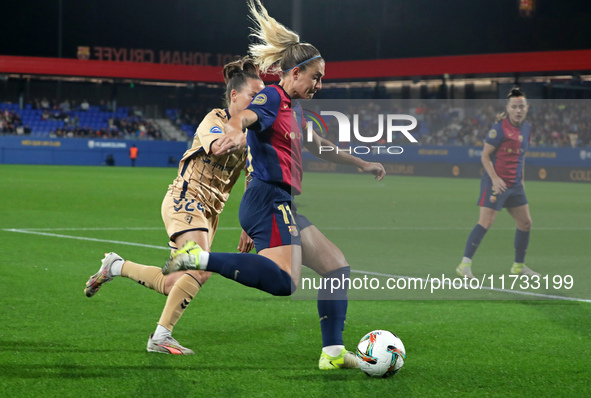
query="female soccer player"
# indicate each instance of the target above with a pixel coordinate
(191, 208)
(282, 237)
(502, 183)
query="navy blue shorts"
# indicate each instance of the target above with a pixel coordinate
(269, 216)
(514, 196)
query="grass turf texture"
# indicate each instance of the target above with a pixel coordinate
(56, 342)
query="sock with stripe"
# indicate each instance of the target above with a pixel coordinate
(148, 276)
(180, 296)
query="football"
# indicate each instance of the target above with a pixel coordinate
(380, 353)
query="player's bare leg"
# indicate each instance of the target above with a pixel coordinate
(181, 288)
(324, 257)
(486, 219)
(523, 221)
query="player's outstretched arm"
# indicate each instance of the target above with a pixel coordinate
(341, 157)
(234, 138)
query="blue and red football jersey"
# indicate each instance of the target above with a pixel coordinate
(275, 140)
(511, 143)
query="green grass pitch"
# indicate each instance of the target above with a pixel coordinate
(56, 223)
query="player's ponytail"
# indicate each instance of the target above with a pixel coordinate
(515, 92)
(237, 73)
(279, 49)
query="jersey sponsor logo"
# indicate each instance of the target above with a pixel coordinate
(188, 204)
(492, 134)
(260, 99)
(215, 130)
(293, 136)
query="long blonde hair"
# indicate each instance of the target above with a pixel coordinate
(279, 49)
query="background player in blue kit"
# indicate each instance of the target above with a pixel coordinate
(283, 239)
(502, 183)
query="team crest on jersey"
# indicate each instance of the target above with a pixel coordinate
(293, 230)
(492, 134)
(520, 138)
(215, 130)
(260, 99)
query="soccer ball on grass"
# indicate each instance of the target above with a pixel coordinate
(380, 353)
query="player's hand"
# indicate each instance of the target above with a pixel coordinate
(231, 141)
(374, 168)
(246, 244)
(499, 185)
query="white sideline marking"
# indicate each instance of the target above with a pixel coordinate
(323, 228)
(37, 232)
(550, 296)
(25, 231)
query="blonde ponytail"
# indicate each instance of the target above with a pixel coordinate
(279, 48)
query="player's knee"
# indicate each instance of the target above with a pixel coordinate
(201, 276)
(526, 224)
(486, 223)
(169, 281)
(341, 261)
(336, 261)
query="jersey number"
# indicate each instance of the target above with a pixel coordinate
(284, 211)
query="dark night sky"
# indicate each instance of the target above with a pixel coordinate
(341, 29)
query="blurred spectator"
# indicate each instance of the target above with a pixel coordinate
(65, 106)
(44, 104)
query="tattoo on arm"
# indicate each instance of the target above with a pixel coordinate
(247, 122)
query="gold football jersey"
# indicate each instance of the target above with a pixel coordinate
(203, 176)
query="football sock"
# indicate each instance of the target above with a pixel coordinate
(252, 270)
(180, 296)
(467, 260)
(203, 260)
(474, 240)
(161, 333)
(332, 306)
(521, 243)
(333, 350)
(116, 268)
(145, 275)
